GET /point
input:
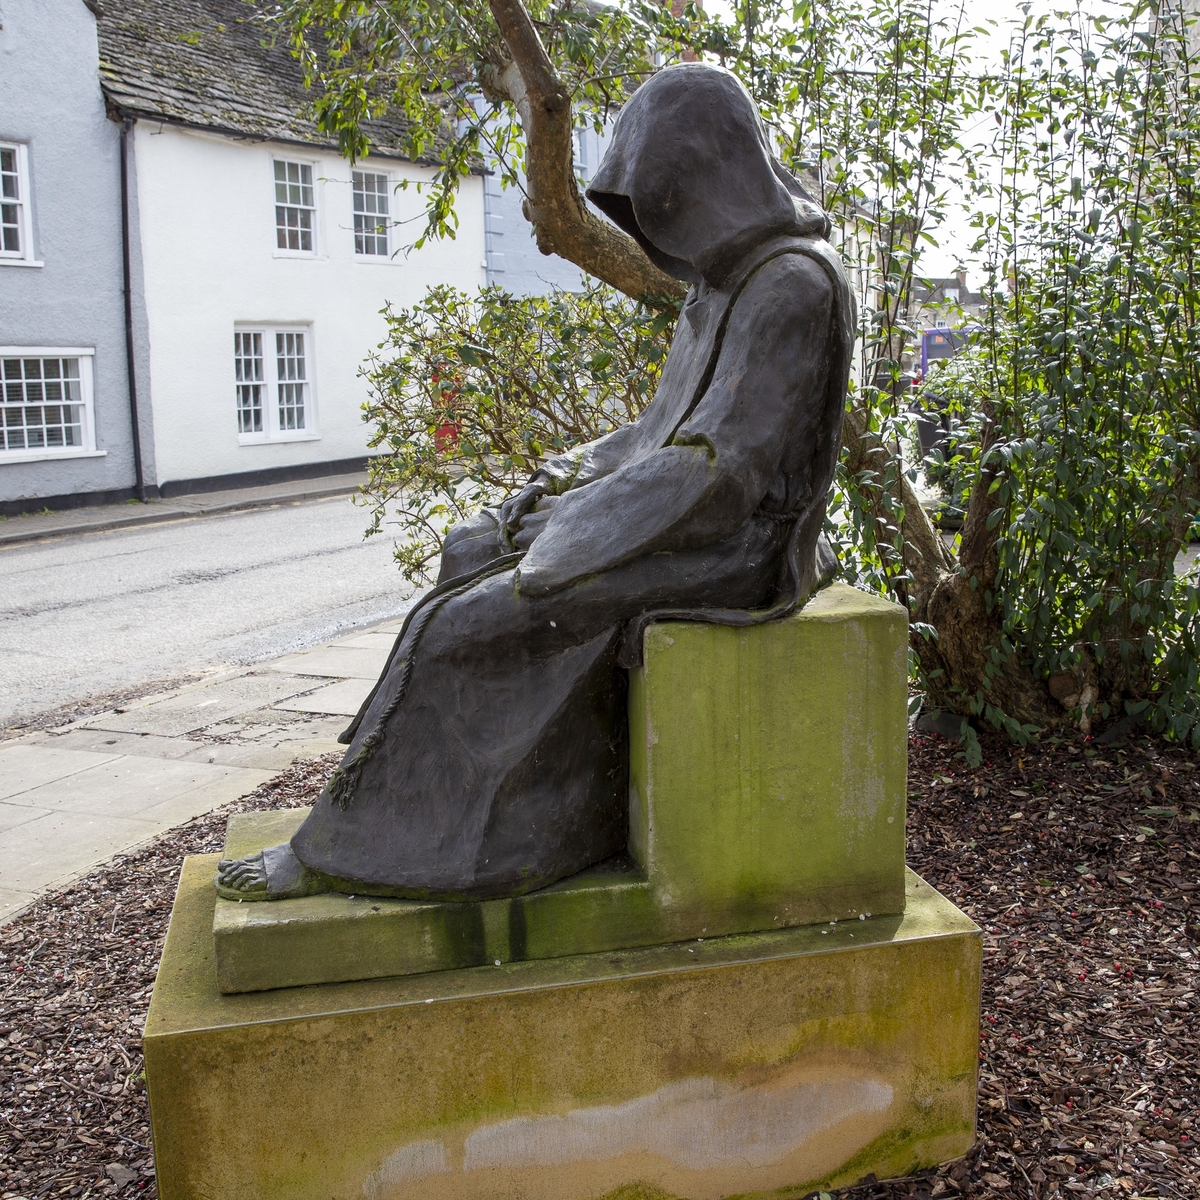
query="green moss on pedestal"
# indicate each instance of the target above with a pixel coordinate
(763, 1064)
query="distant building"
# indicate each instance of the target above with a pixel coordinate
(64, 410)
(184, 257)
(944, 312)
(1183, 14)
(514, 261)
(945, 303)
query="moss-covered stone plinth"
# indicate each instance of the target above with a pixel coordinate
(772, 1063)
(768, 765)
(767, 770)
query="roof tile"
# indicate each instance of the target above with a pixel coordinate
(212, 64)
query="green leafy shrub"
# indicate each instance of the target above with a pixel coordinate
(1077, 409)
(474, 392)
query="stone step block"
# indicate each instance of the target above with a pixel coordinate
(767, 1064)
(767, 790)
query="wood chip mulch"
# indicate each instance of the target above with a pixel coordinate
(76, 972)
(1080, 862)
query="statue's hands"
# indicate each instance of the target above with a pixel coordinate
(534, 522)
(514, 510)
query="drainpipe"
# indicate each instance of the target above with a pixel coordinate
(130, 356)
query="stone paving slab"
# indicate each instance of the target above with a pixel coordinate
(375, 641)
(12, 815)
(203, 705)
(24, 767)
(58, 846)
(269, 746)
(71, 798)
(75, 823)
(13, 901)
(113, 743)
(130, 787)
(337, 661)
(345, 698)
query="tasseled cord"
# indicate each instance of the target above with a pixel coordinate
(343, 783)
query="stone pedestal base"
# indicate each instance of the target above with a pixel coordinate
(770, 1063)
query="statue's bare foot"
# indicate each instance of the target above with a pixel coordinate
(272, 874)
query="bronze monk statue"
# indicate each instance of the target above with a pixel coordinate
(491, 759)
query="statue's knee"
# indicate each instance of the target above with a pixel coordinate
(470, 545)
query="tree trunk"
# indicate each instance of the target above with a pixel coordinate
(561, 219)
(961, 662)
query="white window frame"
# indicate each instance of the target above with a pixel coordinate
(284, 251)
(388, 220)
(23, 257)
(272, 431)
(87, 432)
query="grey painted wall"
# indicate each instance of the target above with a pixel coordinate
(50, 99)
(513, 260)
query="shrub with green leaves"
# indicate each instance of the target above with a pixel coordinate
(1077, 409)
(474, 392)
(1075, 452)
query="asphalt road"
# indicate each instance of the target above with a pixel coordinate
(94, 614)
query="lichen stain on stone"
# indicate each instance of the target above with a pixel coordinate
(698, 1124)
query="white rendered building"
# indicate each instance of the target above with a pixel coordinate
(264, 269)
(191, 255)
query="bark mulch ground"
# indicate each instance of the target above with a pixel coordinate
(76, 972)
(1079, 861)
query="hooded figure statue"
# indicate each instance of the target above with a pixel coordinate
(491, 757)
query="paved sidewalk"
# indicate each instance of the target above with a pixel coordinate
(37, 525)
(73, 797)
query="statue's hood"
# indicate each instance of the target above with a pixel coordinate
(690, 174)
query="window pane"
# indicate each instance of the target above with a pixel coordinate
(290, 373)
(370, 213)
(10, 187)
(10, 212)
(248, 369)
(42, 404)
(293, 206)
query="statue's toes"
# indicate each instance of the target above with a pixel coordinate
(241, 878)
(239, 891)
(272, 874)
(230, 871)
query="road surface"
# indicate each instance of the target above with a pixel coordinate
(86, 616)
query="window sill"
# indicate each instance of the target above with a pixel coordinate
(378, 260)
(311, 255)
(24, 456)
(20, 262)
(259, 440)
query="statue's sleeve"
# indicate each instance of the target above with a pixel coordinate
(586, 463)
(768, 385)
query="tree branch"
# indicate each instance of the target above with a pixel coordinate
(561, 219)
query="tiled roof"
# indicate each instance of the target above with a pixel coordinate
(210, 63)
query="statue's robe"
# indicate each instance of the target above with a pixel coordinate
(491, 759)
(504, 767)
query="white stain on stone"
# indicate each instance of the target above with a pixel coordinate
(697, 1124)
(417, 1160)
